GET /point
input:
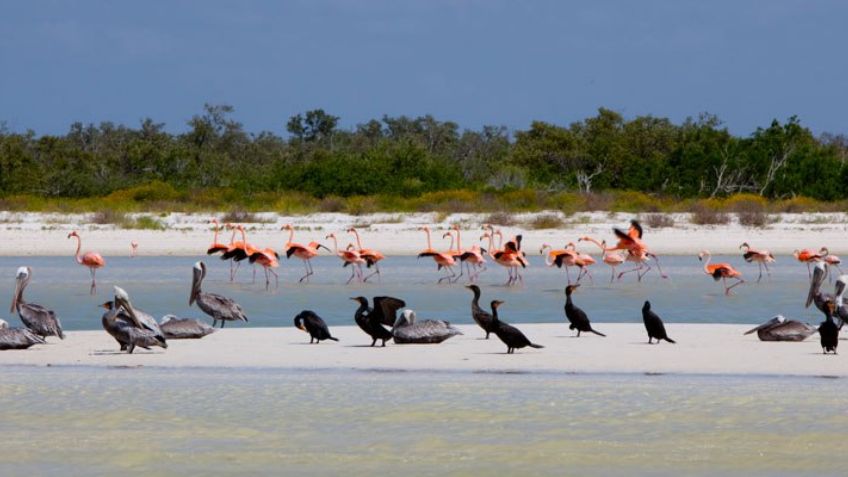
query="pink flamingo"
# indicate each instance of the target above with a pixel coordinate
(443, 259)
(583, 261)
(303, 252)
(613, 259)
(133, 248)
(269, 259)
(762, 257)
(350, 257)
(92, 260)
(372, 257)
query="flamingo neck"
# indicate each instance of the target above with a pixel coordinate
(243, 237)
(429, 245)
(458, 242)
(451, 245)
(79, 246)
(291, 235)
(215, 238)
(233, 237)
(335, 244)
(707, 259)
(358, 243)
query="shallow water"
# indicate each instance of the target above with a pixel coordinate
(160, 285)
(93, 422)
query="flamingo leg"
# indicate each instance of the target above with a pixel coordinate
(760, 276)
(93, 289)
(254, 274)
(727, 289)
(375, 272)
(589, 273)
(768, 272)
(276, 279)
(612, 273)
(659, 269)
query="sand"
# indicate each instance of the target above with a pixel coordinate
(701, 349)
(397, 234)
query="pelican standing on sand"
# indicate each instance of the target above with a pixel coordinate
(40, 320)
(92, 260)
(217, 306)
(310, 322)
(17, 338)
(409, 331)
(122, 322)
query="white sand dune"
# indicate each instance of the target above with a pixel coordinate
(700, 349)
(397, 234)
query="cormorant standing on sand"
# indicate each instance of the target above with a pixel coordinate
(510, 335)
(482, 317)
(371, 320)
(828, 331)
(654, 325)
(578, 318)
(311, 323)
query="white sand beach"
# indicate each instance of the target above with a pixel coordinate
(27, 234)
(711, 349)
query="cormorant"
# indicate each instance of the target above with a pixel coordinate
(17, 338)
(38, 319)
(781, 329)
(482, 317)
(371, 320)
(510, 335)
(654, 325)
(123, 324)
(409, 331)
(176, 328)
(217, 306)
(828, 331)
(313, 324)
(577, 317)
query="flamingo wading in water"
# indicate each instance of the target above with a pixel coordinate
(720, 271)
(303, 252)
(372, 257)
(91, 260)
(762, 257)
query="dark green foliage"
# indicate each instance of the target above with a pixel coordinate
(216, 162)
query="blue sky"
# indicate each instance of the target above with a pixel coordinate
(474, 62)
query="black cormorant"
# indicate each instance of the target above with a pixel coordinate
(482, 317)
(578, 318)
(654, 325)
(310, 322)
(510, 335)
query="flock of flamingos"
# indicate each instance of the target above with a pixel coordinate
(472, 261)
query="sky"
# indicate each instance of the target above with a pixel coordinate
(473, 62)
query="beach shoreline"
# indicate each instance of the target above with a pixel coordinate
(701, 349)
(45, 234)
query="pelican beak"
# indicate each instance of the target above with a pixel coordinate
(125, 303)
(15, 296)
(106, 305)
(819, 274)
(197, 276)
(768, 324)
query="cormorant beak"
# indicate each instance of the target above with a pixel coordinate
(301, 327)
(819, 273)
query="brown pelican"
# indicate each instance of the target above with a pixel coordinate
(371, 320)
(122, 322)
(781, 329)
(815, 295)
(40, 320)
(408, 331)
(17, 338)
(218, 307)
(310, 322)
(176, 328)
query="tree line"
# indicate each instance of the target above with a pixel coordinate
(407, 156)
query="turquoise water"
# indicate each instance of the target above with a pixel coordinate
(160, 285)
(105, 422)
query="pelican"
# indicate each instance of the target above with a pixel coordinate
(218, 307)
(122, 322)
(781, 329)
(815, 295)
(407, 331)
(17, 338)
(40, 320)
(176, 328)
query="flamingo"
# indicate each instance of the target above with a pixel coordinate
(613, 259)
(830, 259)
(584, 261)
(510, 256)
(238, 251)
(92, 260)
(349, 257)
(472, 258)
(561, 257)
(762, 257)
(269, 259)
(637, 250)
(372, 257)
(133, 248)
(304, 252)
(807, 256)
(720, 271)
(217, 247)
(443, 260)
